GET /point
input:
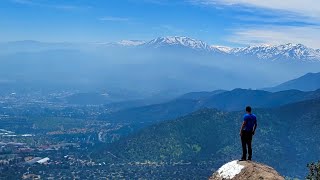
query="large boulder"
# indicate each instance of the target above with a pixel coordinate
(248, 170)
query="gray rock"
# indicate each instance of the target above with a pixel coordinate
(248, 170)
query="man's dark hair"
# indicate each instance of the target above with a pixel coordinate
(248, 109)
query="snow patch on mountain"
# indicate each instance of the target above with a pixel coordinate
(222, 48)
(178, 41)
(131, 42)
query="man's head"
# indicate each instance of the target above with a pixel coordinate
(248, 109)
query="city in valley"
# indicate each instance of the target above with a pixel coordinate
(41, 138)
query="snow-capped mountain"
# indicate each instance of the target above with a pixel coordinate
(179, 41)
(285, 51)
(264, 52)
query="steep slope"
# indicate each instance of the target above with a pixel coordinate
(308, 82)
(287, 139)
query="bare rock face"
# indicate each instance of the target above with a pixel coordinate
(246, 170)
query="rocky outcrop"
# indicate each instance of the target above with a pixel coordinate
(248, 170)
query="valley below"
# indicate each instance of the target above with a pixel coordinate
(190, 136)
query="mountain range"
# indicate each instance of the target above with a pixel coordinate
(287, 51)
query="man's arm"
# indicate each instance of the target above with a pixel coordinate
(243, 124)
(255, 127)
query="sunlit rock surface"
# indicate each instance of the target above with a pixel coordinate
(248, 170)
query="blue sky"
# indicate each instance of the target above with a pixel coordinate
(219, 22)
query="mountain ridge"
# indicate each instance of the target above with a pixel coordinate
(307, 82)
(223, 100)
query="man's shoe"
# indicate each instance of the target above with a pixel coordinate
(242, 159)
(249, 158)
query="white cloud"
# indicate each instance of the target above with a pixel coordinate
(112, 18)
(285, 21)
(308, 35)
(277, 18)
(303, 7)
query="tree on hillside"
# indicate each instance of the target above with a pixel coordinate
(314, 171)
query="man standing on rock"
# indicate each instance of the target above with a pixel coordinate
(247, 130)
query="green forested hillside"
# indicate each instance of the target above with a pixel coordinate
(287, 139)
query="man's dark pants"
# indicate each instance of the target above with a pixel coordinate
(246, 140)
